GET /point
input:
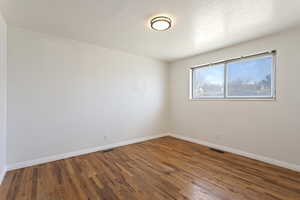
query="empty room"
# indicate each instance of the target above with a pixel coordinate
(149, 100)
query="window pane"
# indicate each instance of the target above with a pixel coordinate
(208, 81)
(250, 78)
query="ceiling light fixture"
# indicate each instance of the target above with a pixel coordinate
(161, 23)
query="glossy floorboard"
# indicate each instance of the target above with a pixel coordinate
(164, 168)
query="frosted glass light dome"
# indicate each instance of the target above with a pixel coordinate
(161, 23)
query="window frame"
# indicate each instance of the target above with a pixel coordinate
(272, 54)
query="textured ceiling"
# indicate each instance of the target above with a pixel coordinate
(200, 25)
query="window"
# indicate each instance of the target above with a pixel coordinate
(208, 82)
(250, 77)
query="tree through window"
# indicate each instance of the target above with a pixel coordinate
(251, 77)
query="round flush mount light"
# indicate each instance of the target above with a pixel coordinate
(161, 23)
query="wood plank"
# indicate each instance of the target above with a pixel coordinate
(164, 168)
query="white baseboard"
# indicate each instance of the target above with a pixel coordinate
(2, 175)
(80, 152)
(242, 153)
(142, 139)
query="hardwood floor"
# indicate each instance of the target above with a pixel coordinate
(164, 168)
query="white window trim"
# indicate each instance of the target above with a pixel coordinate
(239, 98)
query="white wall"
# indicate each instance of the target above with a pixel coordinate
(65, 96)
(2, 97)
(266, 128)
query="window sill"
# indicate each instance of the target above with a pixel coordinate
(234, 99)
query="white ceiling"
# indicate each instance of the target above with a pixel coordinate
(200, 25)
